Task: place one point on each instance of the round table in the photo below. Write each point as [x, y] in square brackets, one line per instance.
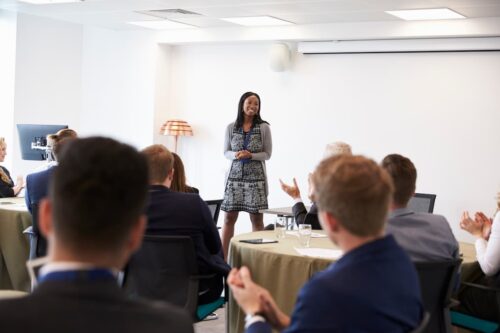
[14, 246]
[277, 267]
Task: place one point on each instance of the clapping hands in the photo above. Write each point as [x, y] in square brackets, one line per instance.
[479, 227]
[253, 299]
[291, 190]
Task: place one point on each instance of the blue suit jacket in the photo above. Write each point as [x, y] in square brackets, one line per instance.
[37, 186]
[175, 213]
[373, 288]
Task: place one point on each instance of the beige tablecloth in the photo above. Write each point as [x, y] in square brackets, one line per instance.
[280, 269]
[14, 245]
[277, 267]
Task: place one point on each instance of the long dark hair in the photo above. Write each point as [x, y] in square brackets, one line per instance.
[179, 181]
[256, 119]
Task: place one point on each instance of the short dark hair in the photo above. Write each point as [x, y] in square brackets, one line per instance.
[98, 192]
[240, 117]
[404, 177]
[355, 190]
[160, 162]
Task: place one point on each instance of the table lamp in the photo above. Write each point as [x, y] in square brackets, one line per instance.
[176, 128]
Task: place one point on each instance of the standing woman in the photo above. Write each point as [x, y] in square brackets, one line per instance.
[7, 187]
[248, 145]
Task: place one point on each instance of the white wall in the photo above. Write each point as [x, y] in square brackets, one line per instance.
[118, 95]
[48, 76]
[8, 21]
[439, 109]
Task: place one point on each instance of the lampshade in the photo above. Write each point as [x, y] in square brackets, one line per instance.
[176, 128]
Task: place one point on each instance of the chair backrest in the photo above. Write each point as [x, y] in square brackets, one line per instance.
[422, 202]
[214, 206]
[437, 280]
[36, 239]
[164, 269]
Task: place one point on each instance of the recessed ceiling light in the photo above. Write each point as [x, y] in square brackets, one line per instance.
[48, 2]
[426, 14]
[253, 21]
[161, 24]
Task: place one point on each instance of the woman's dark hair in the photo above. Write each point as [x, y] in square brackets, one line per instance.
[179, 181]
[256, 119]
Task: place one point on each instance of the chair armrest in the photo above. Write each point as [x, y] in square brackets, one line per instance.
[480, 286]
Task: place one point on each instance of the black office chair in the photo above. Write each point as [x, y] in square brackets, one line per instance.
[165, 269]
[423, 323]
[214, 206]
[38, 243]
[422, 202]
[437, 280]
[476, 324]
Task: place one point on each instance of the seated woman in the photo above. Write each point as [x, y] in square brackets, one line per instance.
[486, 270]
[179, 181]
[7, 186]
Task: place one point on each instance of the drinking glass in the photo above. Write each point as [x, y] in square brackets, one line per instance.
[305, 232]
[279, 227]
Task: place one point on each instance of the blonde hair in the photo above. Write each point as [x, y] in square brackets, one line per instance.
[337, 148]
[5, 178]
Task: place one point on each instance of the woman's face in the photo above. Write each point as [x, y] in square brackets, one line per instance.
[251, 106]
[3, 151]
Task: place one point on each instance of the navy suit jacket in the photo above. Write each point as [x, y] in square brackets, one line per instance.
[37, 186]
[302, 216]
[88, 306]
[186, 214]
[373, 288]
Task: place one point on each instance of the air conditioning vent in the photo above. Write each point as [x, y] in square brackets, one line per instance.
[169, 13]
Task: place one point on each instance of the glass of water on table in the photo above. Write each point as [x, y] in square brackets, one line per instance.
[305, 232]
[279, 227]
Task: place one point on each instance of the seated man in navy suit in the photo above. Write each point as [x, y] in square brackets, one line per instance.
[175, 213]
[372, 288]
[93, 220]
[424, 236]
[37, 186]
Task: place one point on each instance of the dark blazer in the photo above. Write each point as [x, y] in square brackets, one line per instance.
[373, 288]
[91, 306]
[37, 186]
[302, 216]
[175, 213]
[6, 190]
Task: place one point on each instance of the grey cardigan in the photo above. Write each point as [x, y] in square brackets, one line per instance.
[267, 143]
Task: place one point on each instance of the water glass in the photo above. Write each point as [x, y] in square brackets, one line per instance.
[279, 227]
[305, 232]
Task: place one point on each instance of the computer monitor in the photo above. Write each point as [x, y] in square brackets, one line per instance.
[33, 140]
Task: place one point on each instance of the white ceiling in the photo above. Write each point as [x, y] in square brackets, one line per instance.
[113, 14]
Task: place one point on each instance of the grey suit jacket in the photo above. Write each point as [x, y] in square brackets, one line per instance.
[425, 237]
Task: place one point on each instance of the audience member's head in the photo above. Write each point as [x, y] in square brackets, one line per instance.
[160, 163]
[337, 148]
[97, 197]
[404, 177]
[179, 180]
[55, 142]
[353, 191]
[66, 133]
